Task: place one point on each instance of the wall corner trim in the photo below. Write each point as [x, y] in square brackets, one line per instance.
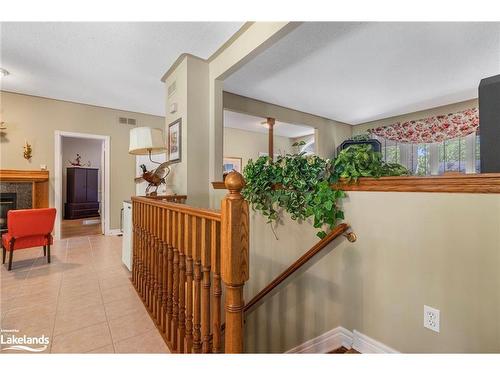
[341, 336]
[114, 232]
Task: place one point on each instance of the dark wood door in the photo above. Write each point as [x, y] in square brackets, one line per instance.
[92, 185]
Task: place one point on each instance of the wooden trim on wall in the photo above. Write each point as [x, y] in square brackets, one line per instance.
[485, 183]
[18, 175]
[39, 180]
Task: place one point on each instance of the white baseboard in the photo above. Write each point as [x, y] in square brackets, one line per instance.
[341, 336]
[113, 232]
[365, 344]
[326, 342]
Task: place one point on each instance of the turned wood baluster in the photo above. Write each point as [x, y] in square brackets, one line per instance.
[142, 270]
[205, 291]
[152, 252]
[145, 255]
[165, 270]
[157, 264]
[217, 288]
[170, 274]
[189, 229]
[134, 243]
[137, 246]
[175, 287]
[182, 284]
[234, 259]
[159, 271]
[196, 253]
[144, 247]
[148, 256]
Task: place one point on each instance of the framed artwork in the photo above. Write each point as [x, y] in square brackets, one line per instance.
[231, 164]
[174, 141]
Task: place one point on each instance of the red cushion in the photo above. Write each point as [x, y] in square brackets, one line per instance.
[26, 242]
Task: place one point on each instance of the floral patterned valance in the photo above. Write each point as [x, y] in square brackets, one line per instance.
[432, 129]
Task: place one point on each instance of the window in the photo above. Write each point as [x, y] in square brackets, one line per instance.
[308, 148]
[455, 155]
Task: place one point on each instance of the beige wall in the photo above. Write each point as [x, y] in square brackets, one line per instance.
[36, 119]
[328, 134]
[247, 145]
[438, 249]
[178, 171]
[445, 109]
[190, 176]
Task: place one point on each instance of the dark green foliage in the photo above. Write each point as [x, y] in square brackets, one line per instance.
[361, 161]
[302, 184]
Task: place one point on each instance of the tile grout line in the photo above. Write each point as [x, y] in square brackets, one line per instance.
[57, 299]
[102, 299]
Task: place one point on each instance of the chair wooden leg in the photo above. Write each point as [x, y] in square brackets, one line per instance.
[44, 251]
[11, 255]
[48, 253]
[3, 254]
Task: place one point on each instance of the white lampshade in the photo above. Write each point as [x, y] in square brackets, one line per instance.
[145, 140]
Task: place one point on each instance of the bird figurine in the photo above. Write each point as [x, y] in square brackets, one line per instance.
[156, 177]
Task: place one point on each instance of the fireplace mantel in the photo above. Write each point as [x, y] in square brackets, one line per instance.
[39, 179]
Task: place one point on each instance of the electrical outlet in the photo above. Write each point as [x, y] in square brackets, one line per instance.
[431, 318]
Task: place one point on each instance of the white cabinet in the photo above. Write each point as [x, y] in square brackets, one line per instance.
[127, 235]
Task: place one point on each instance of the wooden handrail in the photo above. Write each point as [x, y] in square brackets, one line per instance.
[182, 208]
[336, 232]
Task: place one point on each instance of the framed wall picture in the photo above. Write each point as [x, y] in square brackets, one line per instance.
[231, 163]
[174, 141]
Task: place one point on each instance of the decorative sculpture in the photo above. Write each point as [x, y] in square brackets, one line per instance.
[155, 177]
[78, 162]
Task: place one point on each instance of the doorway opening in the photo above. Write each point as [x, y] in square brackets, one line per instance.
[81, 184]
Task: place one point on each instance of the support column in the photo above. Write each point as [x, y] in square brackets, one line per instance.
[270, 126]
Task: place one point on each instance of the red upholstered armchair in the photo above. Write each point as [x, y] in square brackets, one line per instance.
[28, 228]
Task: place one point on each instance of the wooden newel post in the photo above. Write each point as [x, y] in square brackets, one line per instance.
[234, 259]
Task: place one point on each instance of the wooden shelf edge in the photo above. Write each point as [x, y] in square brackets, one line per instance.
[13, 175]
[482, 183]
[218, 185]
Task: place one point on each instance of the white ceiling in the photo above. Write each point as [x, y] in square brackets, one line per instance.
[254, 124]
[357, 72]
[117, 65]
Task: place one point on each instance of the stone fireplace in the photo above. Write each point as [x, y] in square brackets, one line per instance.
[20, 189]
[14, 195]
[8, 201]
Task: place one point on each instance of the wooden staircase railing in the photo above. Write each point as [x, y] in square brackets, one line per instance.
[181, 257]
[320, 245]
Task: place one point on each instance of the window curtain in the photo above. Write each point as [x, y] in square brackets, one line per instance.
[432, 129]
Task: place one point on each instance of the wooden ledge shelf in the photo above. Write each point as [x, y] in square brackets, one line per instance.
[38, 179]
[485, 183]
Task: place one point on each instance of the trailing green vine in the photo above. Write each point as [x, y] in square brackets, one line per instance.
[302, 184]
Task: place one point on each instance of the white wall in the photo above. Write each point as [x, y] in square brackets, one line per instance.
[90, 151]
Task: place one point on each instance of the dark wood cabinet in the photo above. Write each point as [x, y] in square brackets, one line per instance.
[81, 193]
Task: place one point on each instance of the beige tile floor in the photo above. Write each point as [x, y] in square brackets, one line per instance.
[83, 301]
